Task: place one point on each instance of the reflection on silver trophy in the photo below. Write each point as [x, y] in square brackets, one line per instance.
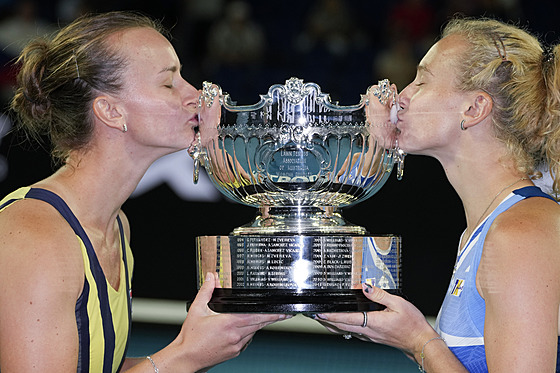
[299, 158]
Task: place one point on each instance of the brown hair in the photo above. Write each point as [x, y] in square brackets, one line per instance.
[510, 64]
[60, 76]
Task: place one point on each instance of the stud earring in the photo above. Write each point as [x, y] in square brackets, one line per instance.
[463, 125]
[124, 128]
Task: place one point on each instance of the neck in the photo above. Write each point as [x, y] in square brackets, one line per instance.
[481, 196]
[481, 170]
[502, 193]
[95, 186]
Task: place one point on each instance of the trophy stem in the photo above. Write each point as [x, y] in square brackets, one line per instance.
[297, 220]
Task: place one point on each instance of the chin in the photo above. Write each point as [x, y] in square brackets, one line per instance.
[189, 137]
[406, 146]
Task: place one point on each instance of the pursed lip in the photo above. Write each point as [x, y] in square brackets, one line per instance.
[193, 121]
[400, 114]
[399, 124]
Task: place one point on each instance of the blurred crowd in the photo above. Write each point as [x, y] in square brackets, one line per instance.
[247, 45]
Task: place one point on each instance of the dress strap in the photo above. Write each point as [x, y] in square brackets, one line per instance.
[95, 268]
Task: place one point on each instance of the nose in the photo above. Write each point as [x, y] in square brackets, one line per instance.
[190, 97]
[404, 97]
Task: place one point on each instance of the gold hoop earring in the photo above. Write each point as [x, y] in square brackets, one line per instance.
[463, 125]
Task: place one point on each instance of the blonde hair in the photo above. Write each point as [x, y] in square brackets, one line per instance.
[60, 76]
[510, 65]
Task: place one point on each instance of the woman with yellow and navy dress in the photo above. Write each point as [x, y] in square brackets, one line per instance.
[108, 93]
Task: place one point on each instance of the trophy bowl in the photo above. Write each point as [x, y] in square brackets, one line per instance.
[299, 159]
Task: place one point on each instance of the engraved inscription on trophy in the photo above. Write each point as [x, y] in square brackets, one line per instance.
[286, 262]
[293, 165]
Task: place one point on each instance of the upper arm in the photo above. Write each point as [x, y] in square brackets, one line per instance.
[519, 278]
[41, 277]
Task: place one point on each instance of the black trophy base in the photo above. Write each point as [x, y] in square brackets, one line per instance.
[226, 300]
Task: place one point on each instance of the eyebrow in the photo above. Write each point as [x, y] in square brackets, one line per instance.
[172, 69]
[424, 68]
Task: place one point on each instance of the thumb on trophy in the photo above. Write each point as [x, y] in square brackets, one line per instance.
[205, 292]
[380, 296]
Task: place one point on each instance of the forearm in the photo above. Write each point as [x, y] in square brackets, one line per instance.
[130, 362]
[175, 357]
[434, 357]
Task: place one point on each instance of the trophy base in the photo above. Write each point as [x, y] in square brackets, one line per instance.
[298, 273]
[306, 301]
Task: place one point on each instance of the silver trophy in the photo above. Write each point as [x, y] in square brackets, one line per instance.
[299, 158]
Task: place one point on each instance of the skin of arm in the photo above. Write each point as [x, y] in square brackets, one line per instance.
[519, 278]
[400, 325]
[206, 338]
[41, 277]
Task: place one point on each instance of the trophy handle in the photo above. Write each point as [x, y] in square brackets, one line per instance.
[400, 154]
[195, 153]
[209, 118]
[209, 93]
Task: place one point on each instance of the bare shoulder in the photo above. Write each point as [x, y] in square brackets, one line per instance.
[41, 278]
[519, 279]
[37, 243]
[531, 223]
[523, 240]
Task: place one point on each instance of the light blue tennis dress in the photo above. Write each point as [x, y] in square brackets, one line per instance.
[461, 318]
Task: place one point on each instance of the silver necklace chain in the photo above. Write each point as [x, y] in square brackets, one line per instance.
[492, 202]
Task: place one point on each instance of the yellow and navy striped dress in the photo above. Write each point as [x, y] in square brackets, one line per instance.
[103, 314]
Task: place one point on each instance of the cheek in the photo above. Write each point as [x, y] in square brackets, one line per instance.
[155, 112]
[429, 109]
[420, 130]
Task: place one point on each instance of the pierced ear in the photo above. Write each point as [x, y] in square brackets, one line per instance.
[479, 110]
[108, 112]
